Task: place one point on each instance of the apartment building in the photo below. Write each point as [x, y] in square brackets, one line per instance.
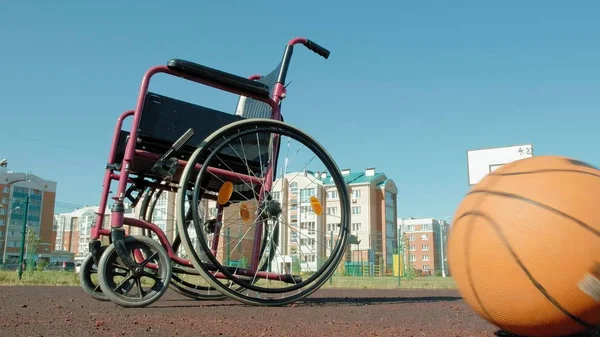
[73, 229]
[164, 213]
[424, 243]
[304, 237]
[15, 189]
[308, 237]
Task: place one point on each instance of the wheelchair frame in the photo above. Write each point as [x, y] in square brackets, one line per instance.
[131, 154]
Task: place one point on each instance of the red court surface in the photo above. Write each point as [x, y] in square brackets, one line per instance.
[68, 311]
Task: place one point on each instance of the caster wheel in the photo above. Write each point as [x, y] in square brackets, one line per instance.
[135, 289]
[88, 278]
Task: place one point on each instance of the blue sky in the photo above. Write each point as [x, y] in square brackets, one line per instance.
[408, 89]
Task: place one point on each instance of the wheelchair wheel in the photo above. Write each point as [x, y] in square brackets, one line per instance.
[88, 278]
[275, 244]
[150, 281]
[184, 280]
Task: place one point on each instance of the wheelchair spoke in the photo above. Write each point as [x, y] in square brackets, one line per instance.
[125, 281]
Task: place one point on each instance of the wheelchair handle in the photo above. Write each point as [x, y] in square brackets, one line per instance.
[287, 54]
[313, 46]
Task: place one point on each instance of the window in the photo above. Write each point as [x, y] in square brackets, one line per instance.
[294, 237]
[5, 189]
[410, 227]
[2, 211]
[411, 238]
[424, 237]
[424, 247]
[306, 213]
[332, 227]
[306, 193]
[331, 210]
[332, 195]
[425, 258]
[390, 214]
[294, 188]
[413, 258]
[356, 226]
[424, 227]
[276, 196]
[162, 200]
[412, 248]
[310, 226]
[389, 199]
[4, 200]
[356, 194]
[305, 210]
[425, 267]
[311, 230]
[355, 210]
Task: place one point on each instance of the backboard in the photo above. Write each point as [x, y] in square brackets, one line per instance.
[483, 161]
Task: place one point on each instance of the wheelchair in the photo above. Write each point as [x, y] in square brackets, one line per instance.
[251, 219]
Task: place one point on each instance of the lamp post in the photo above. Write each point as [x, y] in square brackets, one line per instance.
[399, 244]
[330, 251]
[442, 258]
[24, 230]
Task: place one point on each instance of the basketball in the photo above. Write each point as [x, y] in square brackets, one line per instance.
[524, 247]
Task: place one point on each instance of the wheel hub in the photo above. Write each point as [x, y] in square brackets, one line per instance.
[272, 208]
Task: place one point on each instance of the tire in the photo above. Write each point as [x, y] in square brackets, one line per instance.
[106, 269]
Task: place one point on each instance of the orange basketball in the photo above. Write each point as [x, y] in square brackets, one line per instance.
[524, 247]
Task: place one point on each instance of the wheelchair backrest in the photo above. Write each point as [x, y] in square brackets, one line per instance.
[251, 108]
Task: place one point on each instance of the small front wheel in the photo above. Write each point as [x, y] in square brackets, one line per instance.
[89, 280]
[149, 283]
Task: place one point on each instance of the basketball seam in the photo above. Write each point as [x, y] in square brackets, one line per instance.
[532, 279]
[470, 274]
[467, 257]
[496, 173]
[536, 203]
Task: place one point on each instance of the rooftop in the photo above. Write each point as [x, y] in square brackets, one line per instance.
[361, 177]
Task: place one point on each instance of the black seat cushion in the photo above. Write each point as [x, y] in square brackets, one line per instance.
[220, 77]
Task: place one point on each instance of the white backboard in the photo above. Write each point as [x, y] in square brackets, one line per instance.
[483, 161]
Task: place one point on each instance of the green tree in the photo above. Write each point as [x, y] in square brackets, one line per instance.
[32, 242]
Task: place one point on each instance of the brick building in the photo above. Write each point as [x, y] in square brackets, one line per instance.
[424, 245]
[15, 189]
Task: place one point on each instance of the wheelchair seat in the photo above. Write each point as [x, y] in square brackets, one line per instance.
[164, 119]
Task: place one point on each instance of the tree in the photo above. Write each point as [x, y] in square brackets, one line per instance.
[32, 241]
